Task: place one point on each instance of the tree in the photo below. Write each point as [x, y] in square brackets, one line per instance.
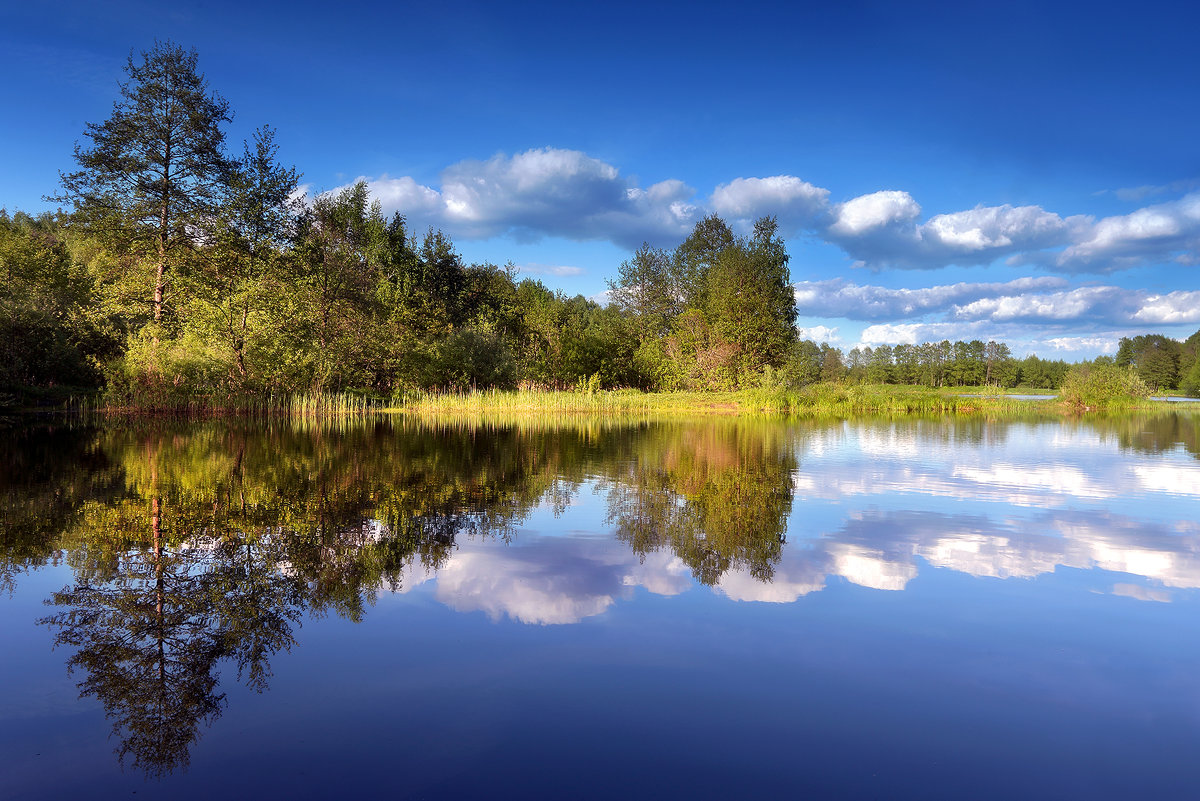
[645, 287]
[234, 282]
[340, 241]
[50, 330]
[695, 256]
[997, 356]
[879, 365]
[155, 169]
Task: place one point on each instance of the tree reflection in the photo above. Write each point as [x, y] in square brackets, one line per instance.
[164, 591]
[211, 542]
[718, 495]
[1154, 433]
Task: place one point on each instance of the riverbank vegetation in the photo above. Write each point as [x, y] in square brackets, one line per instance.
[182, 277]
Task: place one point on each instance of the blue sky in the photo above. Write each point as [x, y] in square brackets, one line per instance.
[1020, 171]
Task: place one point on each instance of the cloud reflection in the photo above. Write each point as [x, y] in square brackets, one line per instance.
[551, 580]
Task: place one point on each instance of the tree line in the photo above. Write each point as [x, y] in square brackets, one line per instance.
[178, 268]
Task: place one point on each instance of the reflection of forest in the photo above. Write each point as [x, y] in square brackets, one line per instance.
[717, 496]
[1153, 433]
[197, 545]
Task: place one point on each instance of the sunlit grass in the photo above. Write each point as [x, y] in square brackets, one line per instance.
[818, 400]
[826, 400]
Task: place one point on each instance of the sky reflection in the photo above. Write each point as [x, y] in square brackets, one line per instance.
[875, 505]
[930, 578]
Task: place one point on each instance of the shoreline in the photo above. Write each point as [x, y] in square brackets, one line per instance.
[818, 400]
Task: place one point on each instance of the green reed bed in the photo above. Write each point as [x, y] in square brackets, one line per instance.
[820, 400]
[604, 402]
[294, 405]
[817, 400]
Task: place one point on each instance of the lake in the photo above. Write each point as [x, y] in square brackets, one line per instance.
[719, 608]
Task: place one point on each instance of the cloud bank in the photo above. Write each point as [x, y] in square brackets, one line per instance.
[552, 192]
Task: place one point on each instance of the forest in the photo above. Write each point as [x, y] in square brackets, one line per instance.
[175, 269]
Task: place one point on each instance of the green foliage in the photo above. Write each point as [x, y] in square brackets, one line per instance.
[1106, 386]
[1190, 383]
[1159, 360]
[50, 331]
[155, 170]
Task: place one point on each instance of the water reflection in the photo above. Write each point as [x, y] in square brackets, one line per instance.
[196, 546]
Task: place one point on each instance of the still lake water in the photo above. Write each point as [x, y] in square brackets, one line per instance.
[710, 609]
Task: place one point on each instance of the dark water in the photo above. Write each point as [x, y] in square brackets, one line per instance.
[715, 609]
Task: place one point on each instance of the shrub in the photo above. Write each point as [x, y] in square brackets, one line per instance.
[1102, 386]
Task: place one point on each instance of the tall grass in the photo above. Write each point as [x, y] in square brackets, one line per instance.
[603, 402]
[830, 400]
[818, 400]
[294, 405]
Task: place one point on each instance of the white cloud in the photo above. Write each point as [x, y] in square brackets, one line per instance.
[903, 333]
[567, 193]
[839, 298]
[882, 230]
[820, 333]
[1070, 305]
[1164, 232]
[871, 212]
[1032, 314]
[1072, 345]
[1140, 593]
[796, 203]
[997, 227]
[552, 580]
[405, 195]
[1172, 308]
[542, 192]
[559, 270]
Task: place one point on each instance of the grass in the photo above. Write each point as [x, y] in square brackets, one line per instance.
[831, 400]
[819, 400]
[294, 405]
[603, 402]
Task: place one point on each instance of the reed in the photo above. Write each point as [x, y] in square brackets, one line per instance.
[832, 400]
[294, 405]
[820, 400]
[601, 402]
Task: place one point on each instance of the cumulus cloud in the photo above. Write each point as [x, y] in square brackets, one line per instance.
[552, 580]
[909, 333]
[1073, 304]
[554, 192]
[840, 298]
[820, 333]
[1174, 307]
[873, 212]
[797, 204]
[882, 230]
[1096, 304]
[1092, 344]
[1164, 232]
[955, 310]
[542, 192]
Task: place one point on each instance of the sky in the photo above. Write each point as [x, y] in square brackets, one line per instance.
[1026, 172]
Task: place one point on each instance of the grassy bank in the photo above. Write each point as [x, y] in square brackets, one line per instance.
[832, 400]
[296, 405]
[820, 400]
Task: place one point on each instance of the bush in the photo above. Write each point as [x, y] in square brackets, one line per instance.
[1102, 386]
[1190, 383]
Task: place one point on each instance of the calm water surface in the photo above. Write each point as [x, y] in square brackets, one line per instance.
[715, 609]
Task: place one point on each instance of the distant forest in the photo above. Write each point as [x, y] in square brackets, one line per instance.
[179, 269]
